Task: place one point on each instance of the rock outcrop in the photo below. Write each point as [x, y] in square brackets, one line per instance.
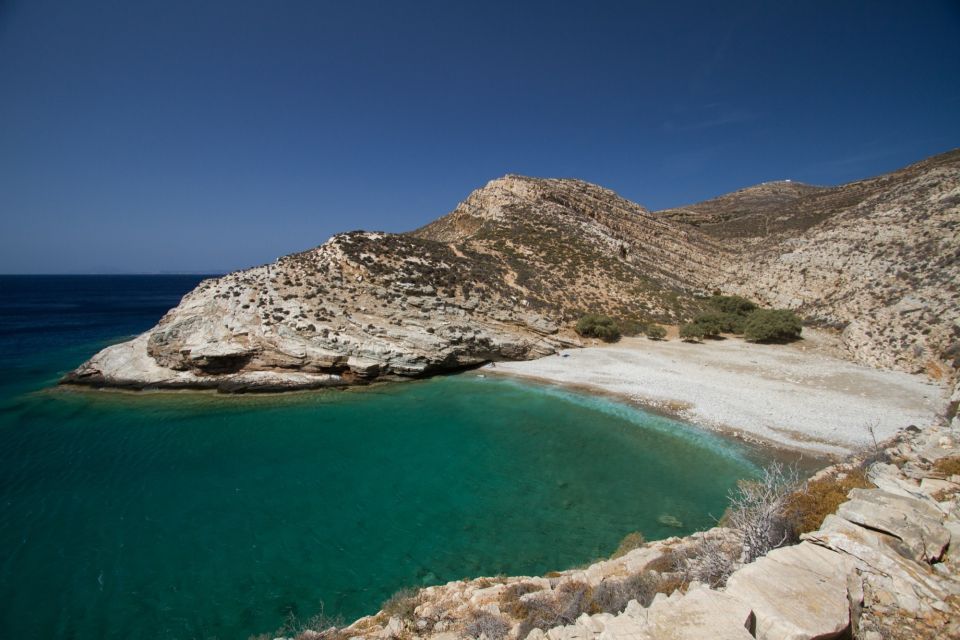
[508, 272]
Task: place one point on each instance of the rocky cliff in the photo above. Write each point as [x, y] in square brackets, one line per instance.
[506, 274]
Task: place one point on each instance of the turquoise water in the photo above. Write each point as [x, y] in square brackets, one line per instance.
[202, 516]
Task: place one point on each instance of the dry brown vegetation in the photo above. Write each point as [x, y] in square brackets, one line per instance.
[401, 604]
[630, 542]
[537, 608]
[948, 466]
[806, 509]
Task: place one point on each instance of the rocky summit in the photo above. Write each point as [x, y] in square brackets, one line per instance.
[509, 271]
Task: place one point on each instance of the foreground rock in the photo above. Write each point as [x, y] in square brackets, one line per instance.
[886, 565]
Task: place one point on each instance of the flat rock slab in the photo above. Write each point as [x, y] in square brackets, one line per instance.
[911, 584]
[918, 524]
[796, 593]
[700, 614]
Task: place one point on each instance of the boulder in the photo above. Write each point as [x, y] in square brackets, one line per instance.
[701, 614]
[878, 557]
[918, 524]
[796, 593]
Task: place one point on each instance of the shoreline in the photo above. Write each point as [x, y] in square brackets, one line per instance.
[769, 448]
[798, 398]
[766, 396]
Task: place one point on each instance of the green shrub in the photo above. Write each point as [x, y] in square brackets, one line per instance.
[598, 326]
[772, 325]
[734, 305]
[655, 332]
[632, 327]
[691, 332]
[704, 325]
[711, 322]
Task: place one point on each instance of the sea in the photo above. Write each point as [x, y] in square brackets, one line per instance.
[197, 515]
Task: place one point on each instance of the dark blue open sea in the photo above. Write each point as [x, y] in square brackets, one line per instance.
[187, 515]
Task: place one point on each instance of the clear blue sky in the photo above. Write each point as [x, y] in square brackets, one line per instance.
[140, 136]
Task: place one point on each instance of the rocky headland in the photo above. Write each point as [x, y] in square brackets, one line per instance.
[509, 271]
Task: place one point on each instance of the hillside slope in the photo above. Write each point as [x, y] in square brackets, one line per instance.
[881, 262]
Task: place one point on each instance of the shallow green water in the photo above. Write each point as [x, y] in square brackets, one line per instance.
[201, 516]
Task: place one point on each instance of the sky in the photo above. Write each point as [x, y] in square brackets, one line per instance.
[141, 137]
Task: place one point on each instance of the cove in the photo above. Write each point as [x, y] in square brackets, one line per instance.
[186, 515]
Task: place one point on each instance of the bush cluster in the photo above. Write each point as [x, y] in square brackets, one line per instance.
[948, 466]
[655, 332]
[487, 624]
[737, 315]
[772, 325]
[598, 326]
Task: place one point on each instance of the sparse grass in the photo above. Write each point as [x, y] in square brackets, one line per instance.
[486, 624]
[401, 604]
[319, 626]
[510, 601]
[630, 542]
[805, 510]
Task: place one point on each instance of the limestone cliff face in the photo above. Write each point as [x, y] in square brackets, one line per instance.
[507, 273]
